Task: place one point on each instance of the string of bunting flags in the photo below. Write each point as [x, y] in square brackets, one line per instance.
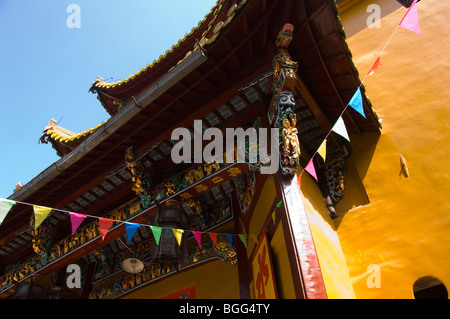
[409, 21]
[42, 212]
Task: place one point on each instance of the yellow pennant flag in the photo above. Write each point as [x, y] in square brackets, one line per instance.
[40, 214]
[273, 217]
[323, 150]
[178, 233]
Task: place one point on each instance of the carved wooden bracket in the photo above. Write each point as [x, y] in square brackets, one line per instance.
[281, 110]
[142, 182]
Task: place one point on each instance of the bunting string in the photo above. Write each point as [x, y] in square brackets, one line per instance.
[42, 212]
[409, 21]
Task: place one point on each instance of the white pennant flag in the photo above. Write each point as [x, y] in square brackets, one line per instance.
[339, 128]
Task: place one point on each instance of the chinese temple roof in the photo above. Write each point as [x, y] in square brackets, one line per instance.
[217, 73]
[62, 140]
[112, 95]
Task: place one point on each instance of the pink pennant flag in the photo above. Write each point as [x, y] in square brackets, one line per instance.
[411, 19]
[375, 66]
[105, 224]
[76, 220]
[310, 169]
[198, 237]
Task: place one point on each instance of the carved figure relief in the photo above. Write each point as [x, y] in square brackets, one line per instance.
[282, 106]
[140, 176]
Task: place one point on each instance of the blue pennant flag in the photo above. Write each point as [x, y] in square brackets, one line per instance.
[357, 103]
[131, 228]
[230, 239]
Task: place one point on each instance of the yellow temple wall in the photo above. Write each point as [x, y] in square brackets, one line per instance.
[326, 241]
[327, 244]
[402, 234]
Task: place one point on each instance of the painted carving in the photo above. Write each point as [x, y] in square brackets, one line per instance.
[281, 110]
[335, 181]
[245, 189]
[139, 173]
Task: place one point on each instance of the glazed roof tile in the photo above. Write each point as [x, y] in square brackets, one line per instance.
[204, 41]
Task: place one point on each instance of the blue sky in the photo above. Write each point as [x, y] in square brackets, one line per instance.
[47, 68]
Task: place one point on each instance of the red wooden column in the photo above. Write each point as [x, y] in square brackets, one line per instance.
[303, 259]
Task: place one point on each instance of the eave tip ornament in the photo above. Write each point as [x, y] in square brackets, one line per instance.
[285, 36]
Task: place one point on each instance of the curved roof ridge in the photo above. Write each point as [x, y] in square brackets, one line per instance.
[58, 133]
[99, 83]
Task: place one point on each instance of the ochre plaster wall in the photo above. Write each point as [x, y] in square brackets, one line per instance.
[328, 247]
[404, 229]
[326, 241]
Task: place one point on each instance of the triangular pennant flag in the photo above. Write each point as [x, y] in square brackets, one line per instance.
[273, 217]
[178, 233]
[198, 237]
[411, 19]
[375, 66]
[340, 128]
[213, 238]
[280, 203]
[40, 213]
[76, 220]
[5, 207]
[130, 229]
[311, 170]
[323, 150]
[105, 224]
[243, 238]
[230, 239]
[156, 230]
[299, 180]
[357, 103]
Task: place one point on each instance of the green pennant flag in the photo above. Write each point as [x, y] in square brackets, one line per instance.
[40, 214]
[156, 230]
[5, 207]
[280, 203]
[243, 238]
